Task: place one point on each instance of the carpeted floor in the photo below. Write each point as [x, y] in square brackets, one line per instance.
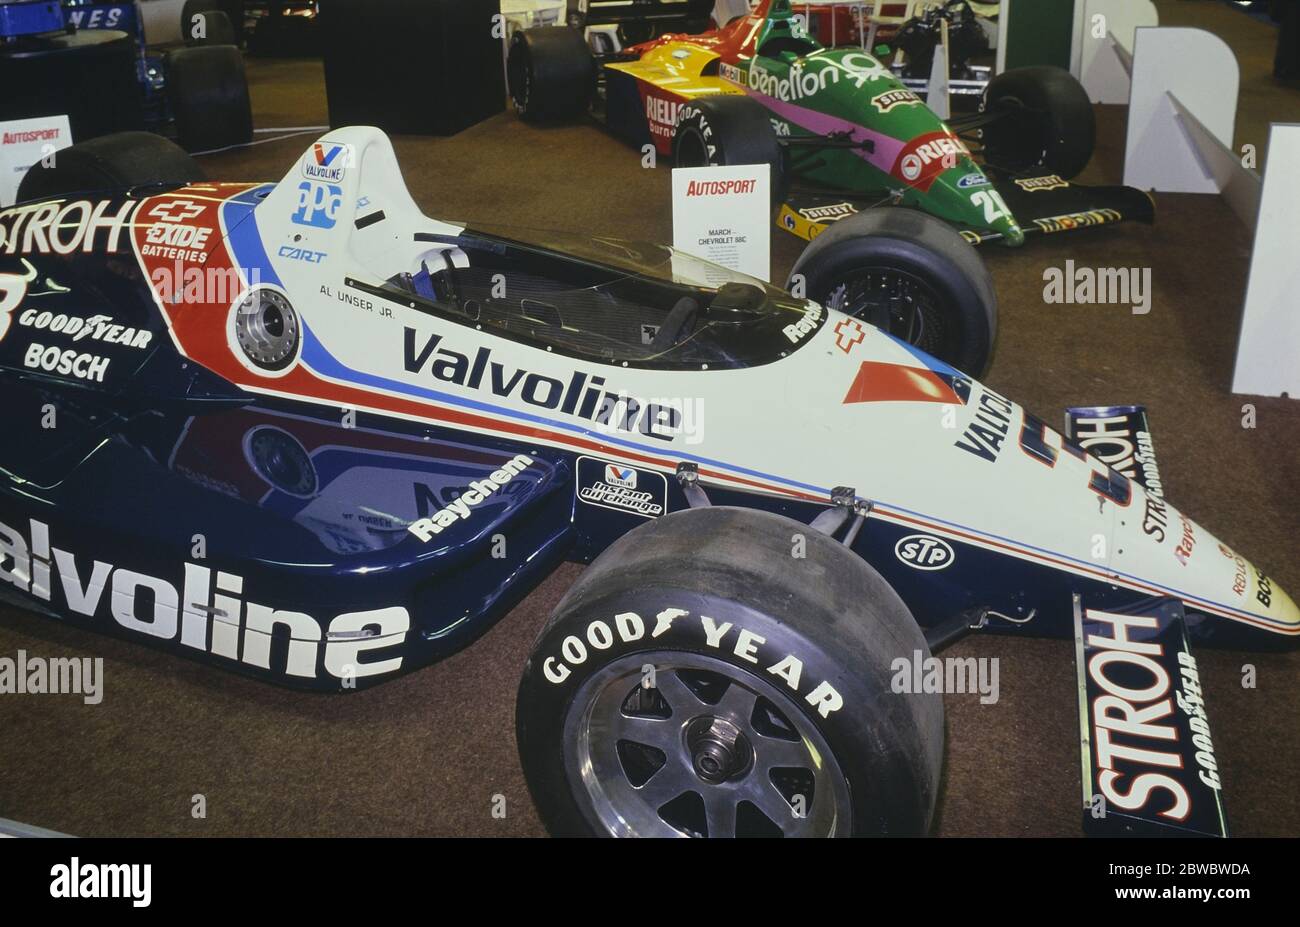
[428, 753]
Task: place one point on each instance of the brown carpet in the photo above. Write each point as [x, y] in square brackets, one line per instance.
[427, 753]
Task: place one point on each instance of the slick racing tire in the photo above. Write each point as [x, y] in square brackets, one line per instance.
[208, 93]
[551, 73]
[700, 680]
[1048, 125]
[727, 129]
[909, 274]
[108, 163]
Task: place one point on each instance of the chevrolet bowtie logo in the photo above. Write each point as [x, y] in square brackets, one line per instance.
[849, 332]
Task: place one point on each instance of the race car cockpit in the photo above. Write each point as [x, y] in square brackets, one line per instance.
[626, 303]
[601, 299]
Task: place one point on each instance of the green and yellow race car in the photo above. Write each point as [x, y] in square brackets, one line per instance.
[847, 142]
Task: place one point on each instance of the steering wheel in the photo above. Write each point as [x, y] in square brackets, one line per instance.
[677, 323]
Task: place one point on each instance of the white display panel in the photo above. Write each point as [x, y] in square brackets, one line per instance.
[1268, 352]
[723, 214]
[23, 142]
[1200, 70]
[1104, 45]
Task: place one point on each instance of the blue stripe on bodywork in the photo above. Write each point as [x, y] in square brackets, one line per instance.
[931, 363]
[245, 240]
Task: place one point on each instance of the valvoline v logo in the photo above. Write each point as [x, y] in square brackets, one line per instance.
[620, 476]
[325, 162]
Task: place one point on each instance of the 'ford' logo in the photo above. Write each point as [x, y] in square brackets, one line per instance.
[924, 552]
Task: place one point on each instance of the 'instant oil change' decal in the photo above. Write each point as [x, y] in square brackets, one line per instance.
[622, 488]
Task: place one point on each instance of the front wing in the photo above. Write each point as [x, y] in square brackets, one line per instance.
[1043, 205]
[1149, 767]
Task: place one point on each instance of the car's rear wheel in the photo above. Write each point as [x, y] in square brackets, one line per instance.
[728, 129]
[908, 274]
[1046, 122]
[110, 163]
[551, 73]
[701, 679]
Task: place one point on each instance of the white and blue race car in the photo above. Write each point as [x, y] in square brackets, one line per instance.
[304, 432]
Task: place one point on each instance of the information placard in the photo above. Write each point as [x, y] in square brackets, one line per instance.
[724, 215]
[23, 142]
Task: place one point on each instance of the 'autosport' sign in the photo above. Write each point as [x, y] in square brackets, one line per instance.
[721, 214]
[23, 142]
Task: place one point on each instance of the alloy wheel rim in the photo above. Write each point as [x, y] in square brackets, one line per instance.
[708, 750]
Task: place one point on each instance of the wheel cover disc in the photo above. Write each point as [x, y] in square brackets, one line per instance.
[897, 302]
[709, 750]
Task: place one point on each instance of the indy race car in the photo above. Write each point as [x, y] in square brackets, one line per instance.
[302, 431]
[760, 91]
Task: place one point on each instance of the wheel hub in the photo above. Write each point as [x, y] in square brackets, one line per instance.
[896, 302]
[266, 327]
[716, 752]
[719, 750]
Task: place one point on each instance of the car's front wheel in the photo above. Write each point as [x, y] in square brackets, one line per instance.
[728, 129]
[726, 672]
[909, 274]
